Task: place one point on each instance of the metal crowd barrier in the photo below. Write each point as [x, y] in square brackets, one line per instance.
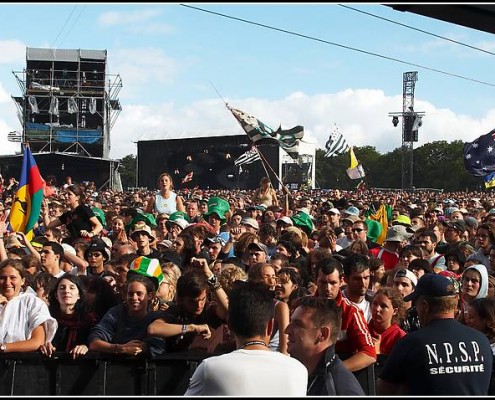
[97, 374]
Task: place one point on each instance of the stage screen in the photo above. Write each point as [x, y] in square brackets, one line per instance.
[211, 159]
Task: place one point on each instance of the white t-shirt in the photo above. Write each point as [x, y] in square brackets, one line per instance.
[364, 305]
[249, 373]
[19, 317]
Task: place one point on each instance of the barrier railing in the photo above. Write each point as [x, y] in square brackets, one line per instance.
[97, 374]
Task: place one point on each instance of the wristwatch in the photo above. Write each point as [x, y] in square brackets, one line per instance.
[3, 348]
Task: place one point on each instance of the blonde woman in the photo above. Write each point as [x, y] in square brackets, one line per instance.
[165, 200]
[265, 194]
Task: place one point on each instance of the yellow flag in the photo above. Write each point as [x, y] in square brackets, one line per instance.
[381, 217]
[354, 161]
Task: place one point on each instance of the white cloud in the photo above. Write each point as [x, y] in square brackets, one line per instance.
[152, 29]
[143, 66]
[12, 52]
[4, 96]
[112, 18]
[136, 22]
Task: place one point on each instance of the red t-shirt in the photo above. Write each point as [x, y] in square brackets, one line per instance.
[390, 260]
[388, 338]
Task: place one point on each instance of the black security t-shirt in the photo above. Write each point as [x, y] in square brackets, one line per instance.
[443, 358]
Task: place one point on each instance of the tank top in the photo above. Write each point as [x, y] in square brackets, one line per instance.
[265, 197]
[166, 206]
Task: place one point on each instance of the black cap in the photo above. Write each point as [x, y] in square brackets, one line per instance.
[434, 285]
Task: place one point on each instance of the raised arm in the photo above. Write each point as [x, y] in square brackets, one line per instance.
[180, 204]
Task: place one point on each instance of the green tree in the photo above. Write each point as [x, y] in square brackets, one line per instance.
[127, 171]
[438, 165]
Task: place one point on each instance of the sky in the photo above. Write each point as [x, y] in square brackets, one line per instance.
[314, 64]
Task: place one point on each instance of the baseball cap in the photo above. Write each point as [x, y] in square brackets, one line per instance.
[250, 222]
[352, 211]
[334, 210]
[165, 243]
[402, 220]
[285, 220]
[222, 238]
[471, 222]
[434, 285]
[351, 218]
[405, 273]
[458, 225]
[258, 246]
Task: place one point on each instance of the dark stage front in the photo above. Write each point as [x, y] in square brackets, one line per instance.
[211, 159]
[80, 168]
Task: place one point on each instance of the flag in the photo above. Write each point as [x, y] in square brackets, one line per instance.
[479, 155]
[355, 170]
[28, 198]
[490, 180]
[382, 217]
[254, 128]
[248, 157]
[336, 143]
[289, 140]
[188, 177]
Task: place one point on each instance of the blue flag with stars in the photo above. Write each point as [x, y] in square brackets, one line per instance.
[479, 155]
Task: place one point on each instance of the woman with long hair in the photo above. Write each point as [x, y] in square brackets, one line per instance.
[265, 194]
[118, 233]
[68, 307]
[387, 310]
[165, 200]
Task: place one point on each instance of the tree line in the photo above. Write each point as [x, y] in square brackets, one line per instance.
[437, 165]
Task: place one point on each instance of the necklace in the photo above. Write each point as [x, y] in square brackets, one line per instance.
[252, 343]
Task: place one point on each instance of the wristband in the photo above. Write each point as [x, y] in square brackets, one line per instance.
[184, 331]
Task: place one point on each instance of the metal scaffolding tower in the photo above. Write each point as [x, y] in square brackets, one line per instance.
[411, 121]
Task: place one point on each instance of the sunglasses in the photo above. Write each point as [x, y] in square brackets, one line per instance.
[357, 230]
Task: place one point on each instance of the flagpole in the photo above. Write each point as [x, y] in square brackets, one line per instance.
[263, 161]
[219, 95]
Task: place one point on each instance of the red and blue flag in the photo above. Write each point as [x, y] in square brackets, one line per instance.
[26, 205]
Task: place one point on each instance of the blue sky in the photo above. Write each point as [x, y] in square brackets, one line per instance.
[172, 57]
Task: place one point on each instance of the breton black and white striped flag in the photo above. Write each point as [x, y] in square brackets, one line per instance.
[248, 157]
[336, 143]
[289, 140]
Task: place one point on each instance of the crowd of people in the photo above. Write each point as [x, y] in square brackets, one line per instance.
[288, 292]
